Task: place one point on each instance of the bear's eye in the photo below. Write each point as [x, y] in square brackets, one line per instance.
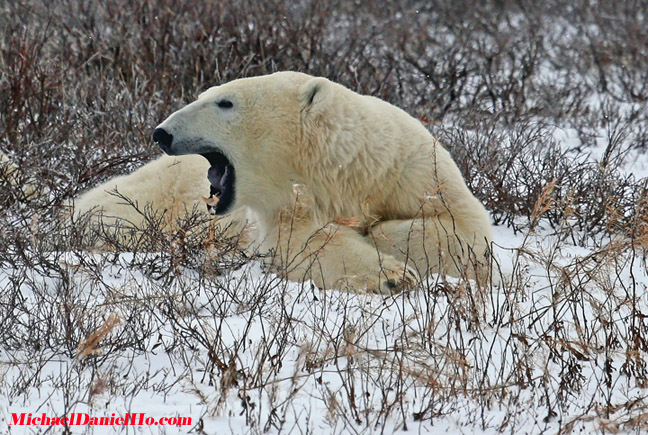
[225, 104]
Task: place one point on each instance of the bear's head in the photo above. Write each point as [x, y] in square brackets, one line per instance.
[250, 131]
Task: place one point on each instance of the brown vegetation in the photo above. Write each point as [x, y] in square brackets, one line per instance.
[82, 84]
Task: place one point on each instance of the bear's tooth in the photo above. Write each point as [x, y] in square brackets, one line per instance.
[212, 200]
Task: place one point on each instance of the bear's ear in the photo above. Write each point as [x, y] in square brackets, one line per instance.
[316, 95]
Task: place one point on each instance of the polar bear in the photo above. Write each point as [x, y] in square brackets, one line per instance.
[344, 189]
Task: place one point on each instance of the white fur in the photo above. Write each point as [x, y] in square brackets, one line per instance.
[374, 189]
[9, 176]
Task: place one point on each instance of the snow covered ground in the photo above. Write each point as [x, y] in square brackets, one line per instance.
[550, 355]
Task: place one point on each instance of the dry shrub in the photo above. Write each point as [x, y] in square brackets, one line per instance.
[82, 84]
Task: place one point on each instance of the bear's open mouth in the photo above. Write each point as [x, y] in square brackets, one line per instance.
[221, 177]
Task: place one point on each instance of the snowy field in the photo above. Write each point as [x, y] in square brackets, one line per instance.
[545, 358]
[542, 106]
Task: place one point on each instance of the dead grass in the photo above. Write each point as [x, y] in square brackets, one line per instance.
[82, 84]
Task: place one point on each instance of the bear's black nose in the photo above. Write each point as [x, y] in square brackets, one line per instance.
[163, 139]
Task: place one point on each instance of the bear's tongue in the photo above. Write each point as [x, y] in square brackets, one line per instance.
[217, 177]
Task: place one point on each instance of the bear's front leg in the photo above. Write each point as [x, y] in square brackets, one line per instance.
[438, 244]
[337, 257]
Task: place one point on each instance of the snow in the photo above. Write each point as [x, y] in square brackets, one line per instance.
[305, 347]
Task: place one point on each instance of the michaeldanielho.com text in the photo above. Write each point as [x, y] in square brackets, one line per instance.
[83, 419]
